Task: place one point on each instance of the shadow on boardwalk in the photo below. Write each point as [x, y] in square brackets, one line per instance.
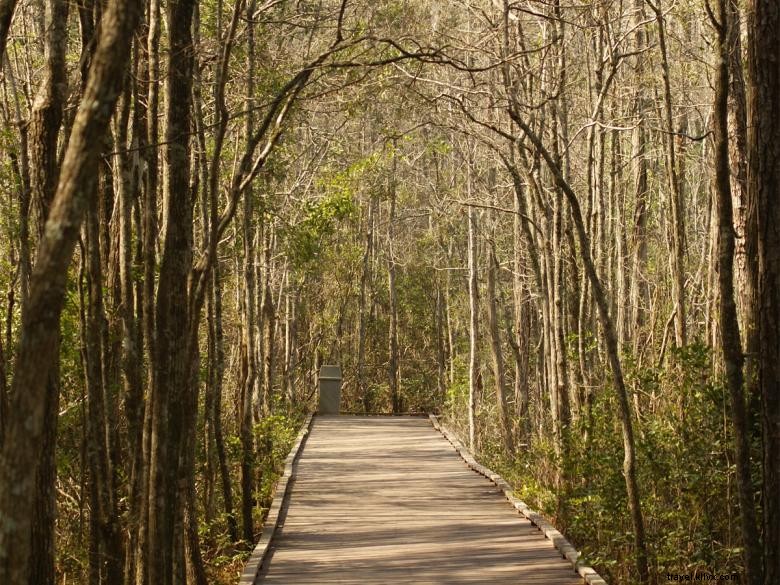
[387, 500]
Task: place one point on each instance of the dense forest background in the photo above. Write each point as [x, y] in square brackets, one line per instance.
[555, 222]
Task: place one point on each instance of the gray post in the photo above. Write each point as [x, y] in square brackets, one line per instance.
[330, 389]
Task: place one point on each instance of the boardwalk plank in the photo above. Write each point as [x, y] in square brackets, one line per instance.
[381, 500]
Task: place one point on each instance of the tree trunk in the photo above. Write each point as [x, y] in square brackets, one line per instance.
[764, 191]
[149, 237]
[745, 218]
[499, 372]
[676, 205]
[45, 122]
[473, 325]
[7, 8]
[250, 374]
[365, 279]
[269, 328]
[519, 337]
[219, 371]
[729, 327]
[40, 327]
[392, 372]
[638, 290]
[105, 534]
[172, 354]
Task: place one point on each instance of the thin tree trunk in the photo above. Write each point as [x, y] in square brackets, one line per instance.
[473, 325]
[219, 441]
[268, 326]
[441, 349]
[249, 324]
[365, 278]
[149, 236]
[249, 377]
[676, 206]
[21, 167]
[638, 290]
[610, 339]
[520, 345]
[105, 533]
[499, 372]
[393, 293]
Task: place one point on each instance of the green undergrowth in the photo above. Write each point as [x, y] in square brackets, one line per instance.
[274, 437]
[685, 474]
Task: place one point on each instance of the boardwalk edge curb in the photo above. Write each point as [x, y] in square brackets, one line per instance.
[255, 561]
[564, 547]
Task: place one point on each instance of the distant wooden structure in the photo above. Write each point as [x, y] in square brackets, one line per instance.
[381, 500]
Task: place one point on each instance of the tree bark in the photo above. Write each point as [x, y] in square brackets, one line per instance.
[45, 123]
[473, 325]
[7, 8]
[219, 441]
[250, 374]
[392, 368]
[764, 190]
[638, 290]
[149, 258]
[729, 325]
[676, 206]
[40, 327]
[172, 352]
[107, 563]
[499, 371]
[365, 279]
[745, 213]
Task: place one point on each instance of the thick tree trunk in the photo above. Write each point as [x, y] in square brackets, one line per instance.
[764, 191]
[45, 122]
[40, 327]
[172, 354]
[745, 214]
[729, 327]
[7, 8]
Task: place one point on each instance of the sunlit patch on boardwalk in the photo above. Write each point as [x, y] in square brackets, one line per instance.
[381, 500]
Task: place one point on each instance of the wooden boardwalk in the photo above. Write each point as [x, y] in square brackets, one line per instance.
[385, 500]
